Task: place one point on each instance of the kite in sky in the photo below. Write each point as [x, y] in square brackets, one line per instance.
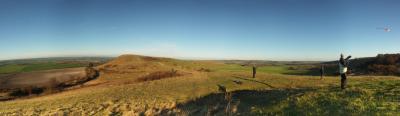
[386, 29]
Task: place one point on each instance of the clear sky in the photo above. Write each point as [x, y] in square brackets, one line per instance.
[199, 29]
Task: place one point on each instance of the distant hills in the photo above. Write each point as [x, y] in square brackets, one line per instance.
[55, 59]
[382, 64]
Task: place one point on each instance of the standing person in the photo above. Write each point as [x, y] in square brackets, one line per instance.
[343, 64]
[254, 71]
[322, 71]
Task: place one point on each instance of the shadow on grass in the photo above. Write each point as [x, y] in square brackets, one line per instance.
[247, 79]
[244, 102]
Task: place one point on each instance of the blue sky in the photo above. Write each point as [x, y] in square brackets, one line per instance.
[199, 29]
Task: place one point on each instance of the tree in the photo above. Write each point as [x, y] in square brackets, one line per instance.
[91, 72]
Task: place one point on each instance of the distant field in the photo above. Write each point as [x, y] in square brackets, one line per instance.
[17, 68]
[40, 78]
[38, 64]
[275, 69]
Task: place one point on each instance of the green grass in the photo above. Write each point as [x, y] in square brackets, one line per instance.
[355, 100]
[273, 92]
[271, 69]
[17, 68]
[286, 69]
[11, 68]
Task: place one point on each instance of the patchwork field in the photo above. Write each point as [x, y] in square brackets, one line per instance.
[179, 87]
[39, 78]
[39, 64]
[17, 68]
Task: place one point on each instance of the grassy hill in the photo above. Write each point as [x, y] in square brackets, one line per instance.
[179, 87]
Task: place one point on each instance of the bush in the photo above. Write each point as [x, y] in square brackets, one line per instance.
[204, 70]
[383, 69]
[159, 75]
[19, 92]
[26, 91]
[385, 64]
[52, 86]
[387, 59]
[91, 73]
[382, 64]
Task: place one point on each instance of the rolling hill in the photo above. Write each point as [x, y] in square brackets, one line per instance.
[140, 85]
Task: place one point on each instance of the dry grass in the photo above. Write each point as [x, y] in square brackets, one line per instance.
[117, 93]
[159, 75]
[156, 96]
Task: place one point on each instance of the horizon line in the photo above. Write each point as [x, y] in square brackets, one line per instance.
[179, 58]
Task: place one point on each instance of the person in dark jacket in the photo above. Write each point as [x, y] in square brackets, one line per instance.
[322, 71]
[343, 64]
[254, 71]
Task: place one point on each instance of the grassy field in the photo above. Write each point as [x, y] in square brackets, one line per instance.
[196, 93]
[38, 64]
[274, 69]
[17, 68]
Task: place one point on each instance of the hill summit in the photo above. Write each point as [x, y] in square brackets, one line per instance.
[136, 63]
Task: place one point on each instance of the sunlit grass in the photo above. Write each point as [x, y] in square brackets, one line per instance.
[274, 93]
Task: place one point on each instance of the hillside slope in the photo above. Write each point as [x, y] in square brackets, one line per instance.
[134, 63]
[194, 91]
[135, 68]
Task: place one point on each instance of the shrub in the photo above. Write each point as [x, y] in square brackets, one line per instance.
[159, 75]
[204, 70]
[52, 86]
[91, 73]
[387, 59]
[292, 68]
[26, 91]
[19, 92]
[382, 64]
[383, 69]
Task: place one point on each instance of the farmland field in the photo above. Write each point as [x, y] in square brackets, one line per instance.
[17, 68]
[38, 64]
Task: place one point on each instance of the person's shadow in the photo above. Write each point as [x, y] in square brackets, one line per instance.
[248, 79]
[243, 102]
